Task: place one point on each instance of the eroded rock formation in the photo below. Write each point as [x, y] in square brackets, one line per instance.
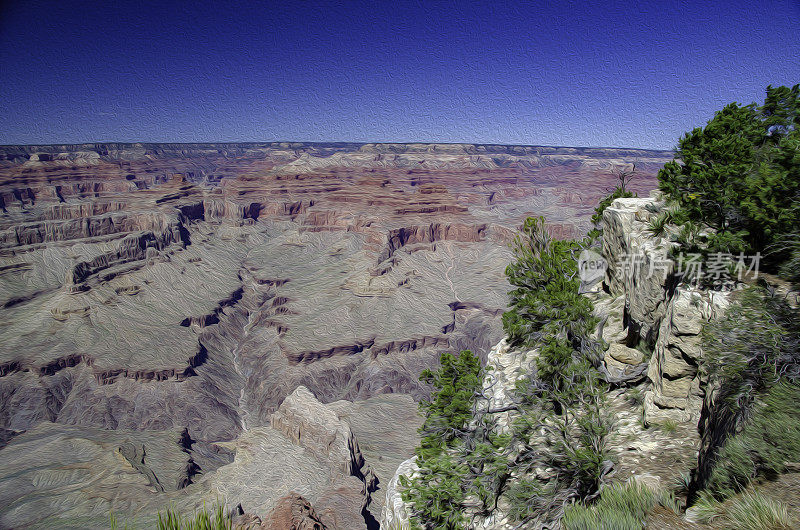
[169, 288]
[659, 316]
[650, 326]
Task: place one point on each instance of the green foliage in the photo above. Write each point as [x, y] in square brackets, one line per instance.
[620, 507]
[790, 269]
[658, 225]
[668, 426]
[436, 493]
[768, 441]
[707, 508]
[682, 483]
[754, 511]
[753, 356]
[635, 396]
[789, 245]
[526, 492]
[202, 520]
[749, 349]
[114, 524]
[624, 177]
[740, 176]
[438, 490]
[748, 511]
[172, 519]
[449, 410]
[545, 301]
[561, 422]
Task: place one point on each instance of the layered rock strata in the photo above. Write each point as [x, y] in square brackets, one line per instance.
[650, 326]
[170, 288]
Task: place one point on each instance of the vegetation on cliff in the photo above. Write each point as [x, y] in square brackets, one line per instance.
[619, 507]
[620, 191]
[439, 489]
[734, 188]
[753, 360]
[172, 519]
[465, 463]
[561, 423]
[735, 183]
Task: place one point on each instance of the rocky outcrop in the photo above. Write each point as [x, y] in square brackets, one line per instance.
[678, 386]
[308, 451]
[432, 233]
[395, 514]
[651, 327]
[638, 266]
[659, 315]
[293, 512]
[316, 428]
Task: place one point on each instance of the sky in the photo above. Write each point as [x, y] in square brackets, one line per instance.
[615, 74]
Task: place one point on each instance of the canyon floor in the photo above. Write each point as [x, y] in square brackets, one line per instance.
[246, 323]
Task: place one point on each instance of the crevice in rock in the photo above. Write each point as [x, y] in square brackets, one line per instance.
[65, 362]
[107, 377]
[185, 442]
[398, 238]
[309, 356]
[10, 368]
[407, 345]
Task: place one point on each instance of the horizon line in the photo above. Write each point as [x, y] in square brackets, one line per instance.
[332, 143]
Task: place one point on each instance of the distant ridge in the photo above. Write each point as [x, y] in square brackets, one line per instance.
[323, 148]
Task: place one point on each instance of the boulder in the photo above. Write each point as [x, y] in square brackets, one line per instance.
[625, 355]
[293, 512]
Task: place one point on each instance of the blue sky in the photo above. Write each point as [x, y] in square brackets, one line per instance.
[628, 74]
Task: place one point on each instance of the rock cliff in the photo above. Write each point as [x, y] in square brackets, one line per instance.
[658, 314]
[650, 325]
[191, 289]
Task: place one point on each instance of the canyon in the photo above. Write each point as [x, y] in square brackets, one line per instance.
[246, 323]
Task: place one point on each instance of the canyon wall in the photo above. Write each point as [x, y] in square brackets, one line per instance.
[184, 291]
[650, 326]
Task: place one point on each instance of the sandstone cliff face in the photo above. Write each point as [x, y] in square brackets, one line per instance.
[658, 314]
[651, 326]
[678, 388]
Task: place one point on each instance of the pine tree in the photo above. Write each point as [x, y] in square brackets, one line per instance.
[740, 176]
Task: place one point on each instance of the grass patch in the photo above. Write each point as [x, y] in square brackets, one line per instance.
[767, 442]
[754, 511]
[171, 519]
[635, 396]
[748, 511]
[620, 507]
[682, 483]
[707, 508]
[668, 426]
[658, 225]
